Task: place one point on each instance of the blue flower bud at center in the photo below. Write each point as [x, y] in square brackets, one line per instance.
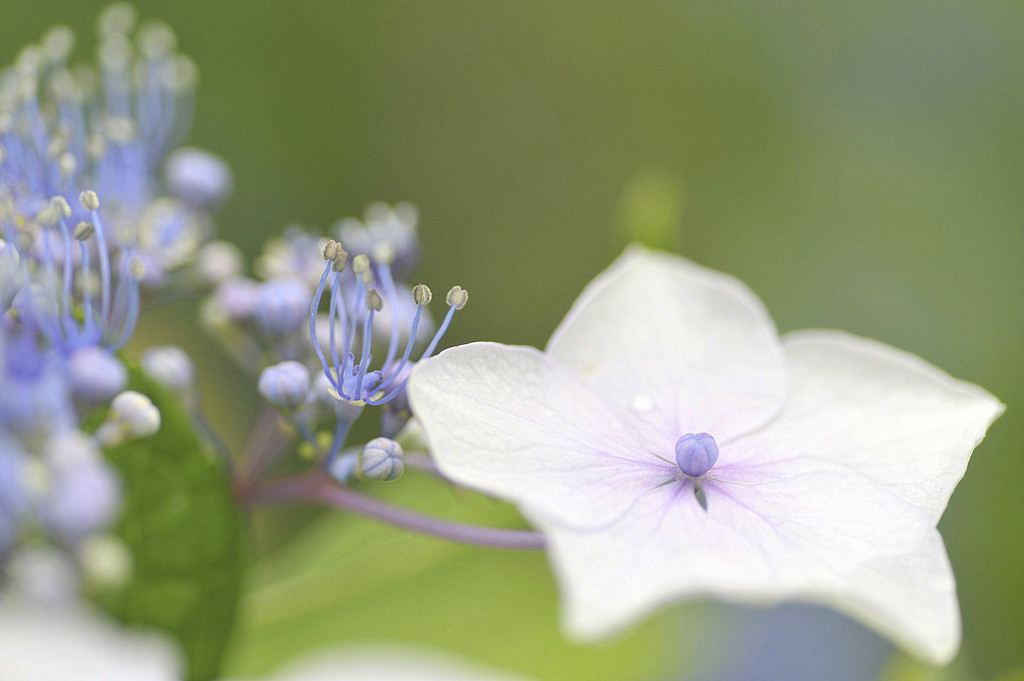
[696, 454]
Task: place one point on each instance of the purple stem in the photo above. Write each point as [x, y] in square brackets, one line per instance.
[321, 489]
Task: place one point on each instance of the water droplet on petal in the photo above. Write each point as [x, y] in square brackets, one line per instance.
[641, 403]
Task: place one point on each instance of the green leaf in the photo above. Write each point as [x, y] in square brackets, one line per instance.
[347, 579]
[184, 532]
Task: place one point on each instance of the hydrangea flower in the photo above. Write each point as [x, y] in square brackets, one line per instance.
[669, 444]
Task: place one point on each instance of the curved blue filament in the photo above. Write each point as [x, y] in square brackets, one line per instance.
[408, 351]
[337, 311]
[365, 358]
[314, 307]
[104, 256]
[426, 353]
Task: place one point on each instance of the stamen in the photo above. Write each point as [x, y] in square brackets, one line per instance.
[421, 295]
[457, 297]
[373, 304]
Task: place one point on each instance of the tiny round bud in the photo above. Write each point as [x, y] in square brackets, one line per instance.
[132, 416]
[95, 375]
[219, 261]
[198, 177]
[82, 500]
[171, 367]
[381, 460]
[696, 454]
[457, 297]
[236, 298]
[89, 200]
[285, 385]
[281, 306]
[84, 230]
[105, 561]
[421, 294]
[374, 301]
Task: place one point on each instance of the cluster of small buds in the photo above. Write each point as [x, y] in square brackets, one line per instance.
[333, 305]
[87, 227]
[106, 130]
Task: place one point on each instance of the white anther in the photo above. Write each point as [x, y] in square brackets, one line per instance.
[183, 76]
[457, 297]
[96, 147]
[383, 253]
[332, 249]
[374, 301]
[120, 130]
[89, 200]
[67, 164]
[60, 206]
[57, 43]
[421, 294]
[115, 53]
[118, 18]
[360, 263]
[83, 230]
[136, 269]
[156, 39]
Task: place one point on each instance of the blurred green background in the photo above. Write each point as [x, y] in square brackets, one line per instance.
[860, 165]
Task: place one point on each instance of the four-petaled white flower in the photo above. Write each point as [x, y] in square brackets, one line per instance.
[669, 444]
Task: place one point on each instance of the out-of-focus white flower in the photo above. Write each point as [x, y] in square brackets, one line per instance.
[668, 444]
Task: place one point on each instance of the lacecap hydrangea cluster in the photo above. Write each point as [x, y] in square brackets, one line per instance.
[332, 327]
[101, 212]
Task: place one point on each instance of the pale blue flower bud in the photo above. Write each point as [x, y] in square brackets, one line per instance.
[381, 460]
[219, 261]
[95, 375]
[285, 385]
[282, 307]
[171, 367]
[82, 501]
[696, 454]
[236, 298]
[198, 177]
[343, 467]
